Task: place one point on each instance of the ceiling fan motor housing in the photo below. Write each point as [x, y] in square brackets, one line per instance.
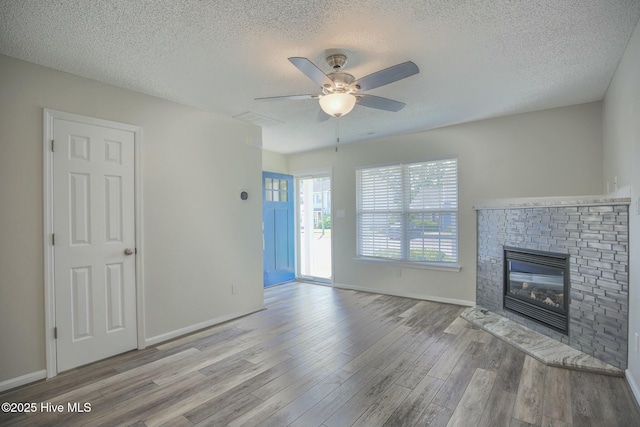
[337, 61]
[341, 82]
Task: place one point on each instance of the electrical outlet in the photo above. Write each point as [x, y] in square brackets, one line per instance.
[398, 272]
[234, 289]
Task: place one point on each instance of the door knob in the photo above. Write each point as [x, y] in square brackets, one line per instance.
[128, 251]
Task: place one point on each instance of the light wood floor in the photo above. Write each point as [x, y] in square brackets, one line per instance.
[326, 357]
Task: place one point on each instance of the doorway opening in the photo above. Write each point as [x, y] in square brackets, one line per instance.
[315, 228]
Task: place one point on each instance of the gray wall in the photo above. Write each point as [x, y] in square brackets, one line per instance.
[554, 152]
[200, 238]
[621, 124]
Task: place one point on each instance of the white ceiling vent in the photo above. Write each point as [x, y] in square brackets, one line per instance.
[258, 119]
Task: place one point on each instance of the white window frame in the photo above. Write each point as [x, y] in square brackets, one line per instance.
[405, 210]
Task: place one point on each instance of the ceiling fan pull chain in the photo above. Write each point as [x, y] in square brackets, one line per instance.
[337, 132]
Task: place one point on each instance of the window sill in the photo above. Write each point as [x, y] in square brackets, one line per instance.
[417, 265]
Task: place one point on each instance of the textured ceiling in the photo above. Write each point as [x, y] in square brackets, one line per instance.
[477, 58]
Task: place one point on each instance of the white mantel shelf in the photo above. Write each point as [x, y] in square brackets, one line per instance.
[562, 201]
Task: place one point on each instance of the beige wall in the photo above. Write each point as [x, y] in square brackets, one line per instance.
[548, 153]
[621, 124]
[200, 238]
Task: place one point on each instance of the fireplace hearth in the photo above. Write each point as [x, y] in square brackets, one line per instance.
[536, 285]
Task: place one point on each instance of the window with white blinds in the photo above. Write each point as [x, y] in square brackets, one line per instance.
[409, 212]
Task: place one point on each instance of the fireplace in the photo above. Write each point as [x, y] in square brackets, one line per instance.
[536, 285]
[594, 233]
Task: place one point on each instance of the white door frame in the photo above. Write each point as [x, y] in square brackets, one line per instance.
[312, 174]
[49, 294]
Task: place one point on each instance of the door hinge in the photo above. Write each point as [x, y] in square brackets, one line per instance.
[53, 239]
[135, 250]
[55, 332]
[53, 146]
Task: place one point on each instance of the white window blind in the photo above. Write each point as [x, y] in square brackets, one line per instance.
[409, 212]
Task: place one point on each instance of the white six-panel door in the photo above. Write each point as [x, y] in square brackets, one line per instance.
[93, 224]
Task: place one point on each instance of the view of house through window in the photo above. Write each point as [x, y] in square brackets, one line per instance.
[314, 213]
[409, 212]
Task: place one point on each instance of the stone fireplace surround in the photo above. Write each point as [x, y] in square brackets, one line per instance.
[594, 232]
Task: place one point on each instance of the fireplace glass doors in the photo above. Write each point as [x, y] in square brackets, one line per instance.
[536, 286]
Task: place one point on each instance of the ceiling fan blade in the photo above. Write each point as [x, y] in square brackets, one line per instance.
[379, 102]
[388, 75]
[288, 98]
[322, 116]
[310, 70]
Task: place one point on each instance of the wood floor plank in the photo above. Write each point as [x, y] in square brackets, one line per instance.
[517, 423]
[425, 361]
[145, 404]
[308, 367]
[376, 349]
[178, 421]
[449, 358]
[219, 411]
[142, 373]
[530, 396]
[494, 355]
[457, 382]
[510, 370]
[208, 357]
[337, 398]
[557, 395]
[282, 398]
[421, 340]
[609, 405]
[552, 422]
[474, 399]
[370, 336]
[585, 404]
[194, 400]
[499, 409]
[380, 410]
[392, 352]
[437, 320]
[416, 308]
[360, 402]
[296, 408]
[411, 409]
[456, 326]
[435, 416]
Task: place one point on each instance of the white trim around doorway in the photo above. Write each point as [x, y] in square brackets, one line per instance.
[302, 175]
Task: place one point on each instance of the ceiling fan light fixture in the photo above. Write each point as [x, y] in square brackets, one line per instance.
[337, 104]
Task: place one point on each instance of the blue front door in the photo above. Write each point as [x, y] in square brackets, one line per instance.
[277, 216]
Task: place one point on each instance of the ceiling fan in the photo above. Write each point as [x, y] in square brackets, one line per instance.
[341, 91]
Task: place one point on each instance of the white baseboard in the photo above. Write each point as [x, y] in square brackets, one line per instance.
[22, 380]
[406, 295]
[633, 386]
[192, 328]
